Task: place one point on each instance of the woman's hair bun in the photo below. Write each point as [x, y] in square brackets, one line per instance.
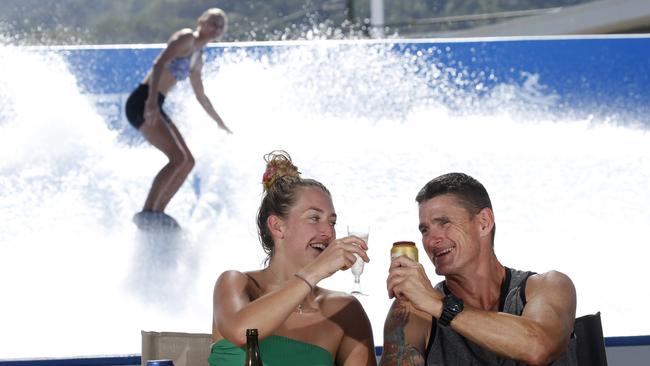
[278, 166]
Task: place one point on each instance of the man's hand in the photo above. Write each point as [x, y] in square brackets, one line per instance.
[407, 281]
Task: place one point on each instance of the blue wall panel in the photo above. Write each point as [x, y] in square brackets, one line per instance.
[585, 73]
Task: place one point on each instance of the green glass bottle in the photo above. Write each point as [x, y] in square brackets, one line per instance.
[253, 357]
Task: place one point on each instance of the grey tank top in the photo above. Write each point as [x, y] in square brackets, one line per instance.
[447, 348]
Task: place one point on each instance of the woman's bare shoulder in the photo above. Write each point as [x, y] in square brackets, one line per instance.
[182, 36]
[231, 276]
[349, 316]
[337, 301]
[334, 295]
[238, 278]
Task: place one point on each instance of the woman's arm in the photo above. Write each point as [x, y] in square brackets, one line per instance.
[234, 312]
[197, 85]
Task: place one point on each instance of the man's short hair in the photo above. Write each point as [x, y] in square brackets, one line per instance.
[470, 192]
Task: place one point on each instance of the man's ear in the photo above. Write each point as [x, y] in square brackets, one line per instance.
[486, 221]
[276, 226]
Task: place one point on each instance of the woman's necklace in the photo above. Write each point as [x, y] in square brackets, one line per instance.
[300, 308]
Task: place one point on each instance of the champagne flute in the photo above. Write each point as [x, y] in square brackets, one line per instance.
[362, 232]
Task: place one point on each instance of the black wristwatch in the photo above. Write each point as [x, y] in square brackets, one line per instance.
[451, 306]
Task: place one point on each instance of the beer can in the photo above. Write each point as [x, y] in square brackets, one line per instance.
[406, 248]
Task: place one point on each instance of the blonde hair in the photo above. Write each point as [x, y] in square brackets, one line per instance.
[278, 166]
[213, 12]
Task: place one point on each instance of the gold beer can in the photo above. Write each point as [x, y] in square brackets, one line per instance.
[406, 248]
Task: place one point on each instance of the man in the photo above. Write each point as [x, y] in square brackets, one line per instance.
[483, 313]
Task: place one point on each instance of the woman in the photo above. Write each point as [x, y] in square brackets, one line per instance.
[181, 58]
[299, 323]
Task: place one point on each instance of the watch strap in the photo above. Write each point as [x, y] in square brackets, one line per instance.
[451, 306]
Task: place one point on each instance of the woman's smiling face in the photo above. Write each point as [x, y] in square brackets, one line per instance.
[310, 223]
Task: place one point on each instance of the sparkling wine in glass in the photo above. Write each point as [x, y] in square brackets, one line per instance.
[362, 232]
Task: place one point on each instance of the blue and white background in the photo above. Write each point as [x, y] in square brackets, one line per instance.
[555, 128]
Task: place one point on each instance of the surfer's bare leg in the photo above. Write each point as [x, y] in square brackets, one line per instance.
[166, 138]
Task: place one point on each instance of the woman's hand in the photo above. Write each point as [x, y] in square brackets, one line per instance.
[225, 128]
[339, 255]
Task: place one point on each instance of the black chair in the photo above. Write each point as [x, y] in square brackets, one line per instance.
[590, 343]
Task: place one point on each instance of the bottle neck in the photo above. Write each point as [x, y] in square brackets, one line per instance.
[253, 357]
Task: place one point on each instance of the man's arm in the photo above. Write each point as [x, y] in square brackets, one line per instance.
[540, 335]
[406, 333]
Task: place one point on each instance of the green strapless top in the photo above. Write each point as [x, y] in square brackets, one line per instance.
[275, 351]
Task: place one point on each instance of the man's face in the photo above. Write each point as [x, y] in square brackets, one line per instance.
[450, 234]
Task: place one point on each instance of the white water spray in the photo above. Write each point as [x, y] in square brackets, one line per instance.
[369, 123]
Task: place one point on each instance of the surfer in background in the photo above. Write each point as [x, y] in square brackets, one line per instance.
[182, 58]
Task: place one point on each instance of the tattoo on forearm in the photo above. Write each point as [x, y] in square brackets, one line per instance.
[396, 351]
